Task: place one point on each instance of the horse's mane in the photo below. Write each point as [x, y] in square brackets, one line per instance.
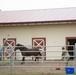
[19, 44]
[22, 47]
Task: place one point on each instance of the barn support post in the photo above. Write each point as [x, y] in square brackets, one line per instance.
[75, 57]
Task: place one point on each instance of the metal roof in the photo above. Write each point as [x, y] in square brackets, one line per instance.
[40, 15]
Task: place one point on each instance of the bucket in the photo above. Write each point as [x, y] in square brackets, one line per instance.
[69, 70]
[57, 68]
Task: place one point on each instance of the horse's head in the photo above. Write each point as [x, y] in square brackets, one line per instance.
[18, 46]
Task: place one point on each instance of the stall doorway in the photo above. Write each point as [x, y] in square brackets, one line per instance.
[41, 44]
[70, 41]
[9, 42]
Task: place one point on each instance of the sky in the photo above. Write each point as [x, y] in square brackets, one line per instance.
[9, 5]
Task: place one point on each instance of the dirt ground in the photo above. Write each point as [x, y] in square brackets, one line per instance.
[49, 67]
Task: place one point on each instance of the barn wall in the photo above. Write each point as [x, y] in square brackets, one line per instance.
[54, 34]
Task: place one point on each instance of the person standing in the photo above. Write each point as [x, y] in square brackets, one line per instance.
[65, 55]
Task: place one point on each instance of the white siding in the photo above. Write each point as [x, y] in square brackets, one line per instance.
[54, 34]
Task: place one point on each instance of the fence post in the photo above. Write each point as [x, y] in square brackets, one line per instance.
[0, 53]
[11, 60]
[42, 57]
[75, 57]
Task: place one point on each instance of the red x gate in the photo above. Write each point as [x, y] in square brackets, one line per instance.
[40, 43]
[9, 42]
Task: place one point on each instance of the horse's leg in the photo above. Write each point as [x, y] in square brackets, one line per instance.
[35, 59]
[67, 61]
[23, 59]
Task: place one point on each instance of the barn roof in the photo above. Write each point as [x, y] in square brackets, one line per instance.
[40, 15]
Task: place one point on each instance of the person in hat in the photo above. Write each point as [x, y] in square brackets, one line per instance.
[65, 55]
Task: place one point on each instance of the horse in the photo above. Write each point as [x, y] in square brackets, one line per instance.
[28, 52]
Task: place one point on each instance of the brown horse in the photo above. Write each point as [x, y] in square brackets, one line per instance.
[28, 52]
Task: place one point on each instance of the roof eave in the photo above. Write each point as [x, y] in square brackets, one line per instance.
[37, 23]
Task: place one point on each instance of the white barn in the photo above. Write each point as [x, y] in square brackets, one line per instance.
[44, 27]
